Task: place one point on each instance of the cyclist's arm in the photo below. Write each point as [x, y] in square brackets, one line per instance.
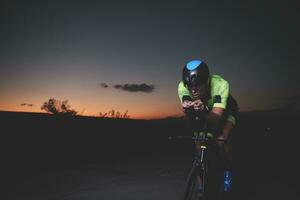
[214, 120]
[218, 111]
[183, 93]
[215, 116]
[185, 97]
[221, 93]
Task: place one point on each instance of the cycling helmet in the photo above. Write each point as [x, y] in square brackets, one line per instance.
[195, 73]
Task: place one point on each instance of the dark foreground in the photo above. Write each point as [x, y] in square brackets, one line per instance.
[46, 157]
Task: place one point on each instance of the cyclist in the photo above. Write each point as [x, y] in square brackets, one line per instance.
[199, 91]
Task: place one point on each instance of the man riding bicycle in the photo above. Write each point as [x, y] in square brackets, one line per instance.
[201, 92]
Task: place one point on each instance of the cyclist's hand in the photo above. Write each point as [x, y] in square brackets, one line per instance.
[198, 105]
[187, 104]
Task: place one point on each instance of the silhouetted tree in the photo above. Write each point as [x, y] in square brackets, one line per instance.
[114, 114]
[58, 107]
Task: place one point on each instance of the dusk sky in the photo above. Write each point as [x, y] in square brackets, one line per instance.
[74, 49]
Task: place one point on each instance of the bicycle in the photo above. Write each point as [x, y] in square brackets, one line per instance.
[207, 168]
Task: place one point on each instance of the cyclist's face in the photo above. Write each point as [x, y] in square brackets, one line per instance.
[198, 91]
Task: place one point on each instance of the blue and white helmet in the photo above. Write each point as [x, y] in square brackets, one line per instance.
[195, 73]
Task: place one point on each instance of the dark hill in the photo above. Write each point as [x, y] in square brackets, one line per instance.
[265, 144]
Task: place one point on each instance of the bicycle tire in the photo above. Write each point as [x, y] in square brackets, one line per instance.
[191, 189]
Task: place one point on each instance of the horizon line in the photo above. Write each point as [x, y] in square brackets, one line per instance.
[149, 118]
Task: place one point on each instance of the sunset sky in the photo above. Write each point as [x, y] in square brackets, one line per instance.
[74, 49]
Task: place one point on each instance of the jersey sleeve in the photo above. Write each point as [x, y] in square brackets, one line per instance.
[182, 91]
[221, 95]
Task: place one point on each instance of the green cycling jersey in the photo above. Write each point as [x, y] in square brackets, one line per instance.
[219, 96]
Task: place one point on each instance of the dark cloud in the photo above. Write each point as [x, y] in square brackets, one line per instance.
[27, 104]
[118, 86]
[135, 87]
[104, 85]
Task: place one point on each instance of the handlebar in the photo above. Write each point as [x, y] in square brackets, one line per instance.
[196, 138]
[197, 112]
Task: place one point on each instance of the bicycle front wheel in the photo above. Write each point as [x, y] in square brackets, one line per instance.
[195, 188]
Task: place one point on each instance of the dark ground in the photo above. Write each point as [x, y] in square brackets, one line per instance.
[48, 157]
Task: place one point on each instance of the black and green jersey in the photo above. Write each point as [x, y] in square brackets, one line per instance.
[219, 96]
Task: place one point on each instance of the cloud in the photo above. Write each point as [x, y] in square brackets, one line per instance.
[131, 87]
[104, 85]
[118, 86]
[27, 104]
[135, 87]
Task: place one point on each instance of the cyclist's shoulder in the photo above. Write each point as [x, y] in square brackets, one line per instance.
[181, 86]
[180, 83]
[217, 80]
[182, 90]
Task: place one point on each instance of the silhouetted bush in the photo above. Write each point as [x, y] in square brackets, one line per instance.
[58, 107]
[115, 114]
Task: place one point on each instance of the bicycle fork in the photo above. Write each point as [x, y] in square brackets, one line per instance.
[199, 163]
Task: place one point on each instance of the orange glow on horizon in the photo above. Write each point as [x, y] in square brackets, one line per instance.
[139, 107]
[91, 114]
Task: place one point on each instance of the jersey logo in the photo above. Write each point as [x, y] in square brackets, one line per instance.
[217, 99]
